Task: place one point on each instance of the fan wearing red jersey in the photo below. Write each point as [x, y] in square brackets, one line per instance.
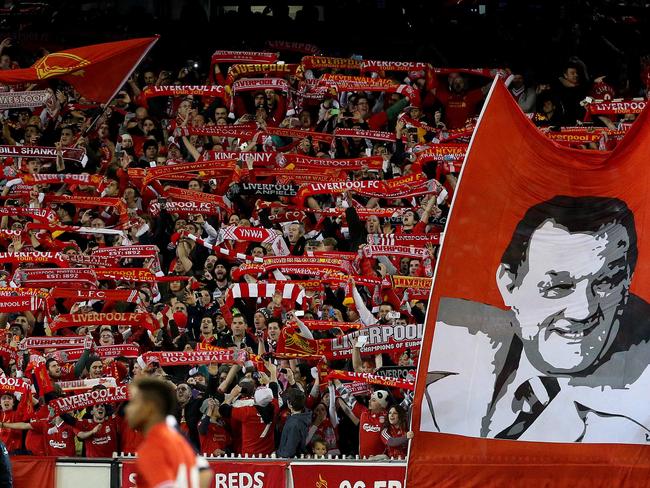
[165, 459]
[371, 419]
[99, 433]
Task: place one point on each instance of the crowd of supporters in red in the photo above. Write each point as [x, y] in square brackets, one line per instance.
[268, 248]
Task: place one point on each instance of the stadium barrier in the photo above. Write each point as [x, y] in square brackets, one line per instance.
[229, 472]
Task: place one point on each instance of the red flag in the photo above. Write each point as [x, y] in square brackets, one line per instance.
[96, 71]
[534, 357]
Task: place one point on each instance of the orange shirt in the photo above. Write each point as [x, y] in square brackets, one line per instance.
[165, 460]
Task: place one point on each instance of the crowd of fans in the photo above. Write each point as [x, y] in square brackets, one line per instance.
[197, 288]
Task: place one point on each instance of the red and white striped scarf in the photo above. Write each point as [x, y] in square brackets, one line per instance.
[416, 240]
[289, 291]
[222, 251]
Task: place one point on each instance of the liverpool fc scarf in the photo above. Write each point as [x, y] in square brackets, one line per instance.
[373, 379]
[88, 399]
[135, 319]
[181, 358]
[184, 90]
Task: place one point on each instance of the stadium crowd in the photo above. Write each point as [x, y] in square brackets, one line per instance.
[267, 247]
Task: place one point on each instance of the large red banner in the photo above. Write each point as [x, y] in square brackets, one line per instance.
[348, 475]
[32, 471]
[534, 367]
[231, 474]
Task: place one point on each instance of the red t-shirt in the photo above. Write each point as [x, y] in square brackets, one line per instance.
[104, 442]
[35, 440]
[256, 436]
[130, 439]
[13, 438]
[217, 437]
[58, 440]
[396, 451]
[370, 426]
[164, 459]
[459, 108]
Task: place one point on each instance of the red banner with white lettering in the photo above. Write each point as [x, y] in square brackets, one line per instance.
[231, 474]
[348, 475]
[535, 357]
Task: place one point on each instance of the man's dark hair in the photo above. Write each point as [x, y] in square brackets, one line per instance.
[69, 208]
[149, 143]
[49, 361]
[590, 215]
[91, 360]
[158, 392]
[296, 399]
[305, 370]
[247, 387]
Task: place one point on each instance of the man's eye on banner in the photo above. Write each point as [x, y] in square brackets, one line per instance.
[539, 320]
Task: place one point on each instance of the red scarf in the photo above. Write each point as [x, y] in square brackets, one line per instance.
[223, 251]
[442, 152]
[237, 71]
[403, 187]
[289, 291]
[293, 46]
[416, 240]
[256, 159]
[237, 131]
[242, 57]
[249, 234]
[376, 66]
[615, 108]
[184, 90]
[21, 303]
[355, 164]
[357, 83]
[50, 277]
[135, 251]
[299, 134]
[176, 358]
[33, 257]
[322, 62]
[259, 84]
[38, 214]
[104, 352]
[373, 379]
[130, 296]
[411, 282]
[24, 99]
[197, 197]
[67, 342]
[162, 171]
[134, 319]
[53, 179]
[13, 385]
[330, 324]
[381, 338]
[376, 135]
[371, 251]
[42, 152]
[88, 399]
[86, 384]
[296, 264]
[185, 208]
[138, 275]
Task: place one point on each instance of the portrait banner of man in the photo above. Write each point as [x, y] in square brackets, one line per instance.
[535, 362]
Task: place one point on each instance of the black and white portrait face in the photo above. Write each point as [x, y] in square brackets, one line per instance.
[567, 295]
